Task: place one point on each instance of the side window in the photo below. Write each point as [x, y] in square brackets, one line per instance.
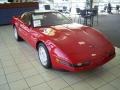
[37, 20]
[26, 18]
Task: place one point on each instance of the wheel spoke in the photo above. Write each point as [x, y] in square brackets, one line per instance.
[42, 56]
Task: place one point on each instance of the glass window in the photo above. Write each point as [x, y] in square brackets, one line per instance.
[26, 18]
[49, 19]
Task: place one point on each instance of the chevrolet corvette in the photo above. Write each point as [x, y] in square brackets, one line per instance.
[62, 44]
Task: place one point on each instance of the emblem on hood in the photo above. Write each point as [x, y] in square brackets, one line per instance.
[49, 31]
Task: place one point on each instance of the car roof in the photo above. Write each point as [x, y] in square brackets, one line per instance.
[42, 11]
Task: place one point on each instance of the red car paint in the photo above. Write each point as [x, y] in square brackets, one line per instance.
[69, 44]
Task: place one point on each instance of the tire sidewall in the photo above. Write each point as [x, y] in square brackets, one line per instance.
[15, 33]
[48, 65]
[17, 37]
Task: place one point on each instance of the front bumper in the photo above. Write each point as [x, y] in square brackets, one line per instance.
[94, 64]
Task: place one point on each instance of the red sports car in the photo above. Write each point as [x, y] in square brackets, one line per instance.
[62, 44]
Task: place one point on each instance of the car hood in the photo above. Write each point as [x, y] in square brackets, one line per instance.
[78, 41]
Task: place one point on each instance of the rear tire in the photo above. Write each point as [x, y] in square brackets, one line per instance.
[44, 56]
[17, 37]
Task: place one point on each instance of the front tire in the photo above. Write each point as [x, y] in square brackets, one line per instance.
[17, 37]
[44, 56]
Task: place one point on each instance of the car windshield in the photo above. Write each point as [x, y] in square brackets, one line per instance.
[49, 19]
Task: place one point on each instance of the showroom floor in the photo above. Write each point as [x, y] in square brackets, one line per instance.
[20, 69]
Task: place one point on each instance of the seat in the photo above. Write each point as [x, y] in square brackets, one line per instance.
[85, 14]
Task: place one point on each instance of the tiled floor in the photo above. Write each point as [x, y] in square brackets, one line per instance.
[20, 70]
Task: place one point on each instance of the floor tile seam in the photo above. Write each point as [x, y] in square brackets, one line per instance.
[37, 84]
[19, 69]
[106, 84]
[110, 80]
[55, 79]
[5, 75]
[25, 69]
[84, 79]
[47, 80]
[28, 59]
[50, 79]
[22, 74]
[114, 86]
[31, 76]
[115, 75]
[68, 84]
[36, 74]
[40, 84]
[17, 65]
[95, 87]
[11, 73]
[38, 70]
[77, 82]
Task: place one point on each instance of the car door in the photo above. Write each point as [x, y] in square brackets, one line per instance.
[24, 27]
[33, 36]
